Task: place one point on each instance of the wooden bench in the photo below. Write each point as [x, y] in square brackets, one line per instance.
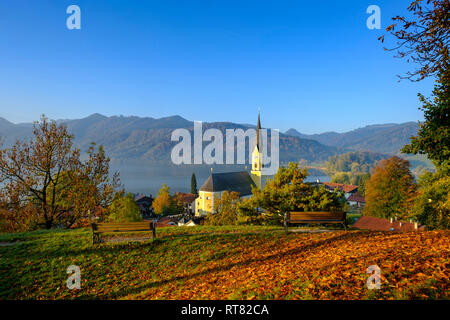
[98, 228]
[315, 217]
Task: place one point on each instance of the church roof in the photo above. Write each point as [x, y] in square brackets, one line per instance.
[356, 197]
[229, 181]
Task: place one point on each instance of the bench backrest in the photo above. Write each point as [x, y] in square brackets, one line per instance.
[316, 216]
[123, 227]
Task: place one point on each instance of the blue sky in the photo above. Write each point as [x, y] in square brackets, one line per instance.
[309, 65]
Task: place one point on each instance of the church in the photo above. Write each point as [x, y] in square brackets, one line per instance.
[240, 181]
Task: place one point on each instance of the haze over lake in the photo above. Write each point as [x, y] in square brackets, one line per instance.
[147, 178]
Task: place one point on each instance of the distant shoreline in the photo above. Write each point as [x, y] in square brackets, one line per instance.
[146, 178]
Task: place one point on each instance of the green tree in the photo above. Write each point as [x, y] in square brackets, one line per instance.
[193, 184]
[249, 212]
[225, 208]
[342, 177]
[358, 179]
[124, 209]
[390, 190]
[433, 138]
[363, 178]
[432, 205]
[287, 191]
[423, 37]
[354, 162]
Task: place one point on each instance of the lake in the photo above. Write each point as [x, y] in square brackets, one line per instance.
[147, 178]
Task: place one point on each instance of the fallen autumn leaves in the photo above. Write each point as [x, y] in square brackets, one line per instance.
[246, 264]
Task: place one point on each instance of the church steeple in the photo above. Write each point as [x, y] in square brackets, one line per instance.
[257, 155]
[258, 127]
[257, 150]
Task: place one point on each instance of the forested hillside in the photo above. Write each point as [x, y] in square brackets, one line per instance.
[127, 138]
[383, 138]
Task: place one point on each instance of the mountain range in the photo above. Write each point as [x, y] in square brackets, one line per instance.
[383, 138]
[146, 138]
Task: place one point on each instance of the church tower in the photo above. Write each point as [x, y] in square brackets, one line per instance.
[257, 160]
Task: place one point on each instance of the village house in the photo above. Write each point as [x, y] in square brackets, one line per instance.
[190, 222]
[145, 204]
[166, 221]
[353, 197]
[356, 199]
[348, 189]
[188, 200]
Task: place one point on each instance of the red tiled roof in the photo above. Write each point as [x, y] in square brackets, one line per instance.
[142, 197]
[165, 219]
[345, 187]
[380, 224]
[162, 225]
[164, 222]
[187, 197]
[356, 197]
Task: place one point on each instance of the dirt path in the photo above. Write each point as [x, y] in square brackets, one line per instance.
[7, 244]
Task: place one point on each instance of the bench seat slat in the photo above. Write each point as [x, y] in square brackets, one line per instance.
[103, 230]
[315, 217]
[318, 212]
[146, 223]
[124, 225]
[315, 221]
[140, 225]
[318, 219]
[104, 227]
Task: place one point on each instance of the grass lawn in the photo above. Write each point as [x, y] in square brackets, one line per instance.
[226, 263]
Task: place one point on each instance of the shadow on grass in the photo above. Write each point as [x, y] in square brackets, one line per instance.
[146, 242]
[136, 237]
[275, 256]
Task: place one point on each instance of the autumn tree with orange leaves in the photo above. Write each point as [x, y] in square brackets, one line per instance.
[165, 203]
[46, 182]
[390, 190]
